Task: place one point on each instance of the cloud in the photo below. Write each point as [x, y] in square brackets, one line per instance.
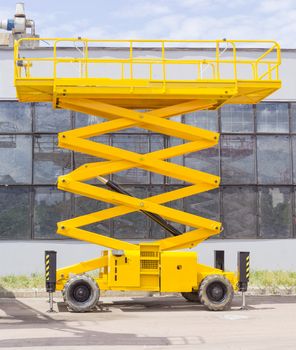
[172, 19]
[137, 10]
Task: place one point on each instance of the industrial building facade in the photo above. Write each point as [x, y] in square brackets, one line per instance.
[256, 160]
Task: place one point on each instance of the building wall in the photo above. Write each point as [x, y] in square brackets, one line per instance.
[255, 158]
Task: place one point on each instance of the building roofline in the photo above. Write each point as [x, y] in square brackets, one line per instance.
[182, 49]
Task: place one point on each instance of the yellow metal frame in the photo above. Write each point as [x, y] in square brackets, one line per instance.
[115, 99]
[219, 72]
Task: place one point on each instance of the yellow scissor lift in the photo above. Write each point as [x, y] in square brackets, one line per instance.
[79, 75]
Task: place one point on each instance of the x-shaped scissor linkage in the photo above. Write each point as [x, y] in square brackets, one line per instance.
[119, 160]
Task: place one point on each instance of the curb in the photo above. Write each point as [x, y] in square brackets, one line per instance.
[40, 293]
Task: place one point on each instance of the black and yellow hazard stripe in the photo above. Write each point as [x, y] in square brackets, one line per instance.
[47, 267]
[248, 267]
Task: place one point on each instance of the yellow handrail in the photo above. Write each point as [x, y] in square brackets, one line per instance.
[216, 63]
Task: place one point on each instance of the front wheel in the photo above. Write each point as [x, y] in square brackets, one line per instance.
[81, 293]
[216, 293]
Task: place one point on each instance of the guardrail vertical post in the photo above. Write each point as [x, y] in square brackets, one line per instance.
[217, 60]
[131, 60]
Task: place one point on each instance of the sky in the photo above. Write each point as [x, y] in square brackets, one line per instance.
[162, 19]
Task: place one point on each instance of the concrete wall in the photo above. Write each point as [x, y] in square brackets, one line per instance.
[28, 256]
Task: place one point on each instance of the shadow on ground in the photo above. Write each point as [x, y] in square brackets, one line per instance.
[176, 303]
[18, 318]
[24, 319]
[6, 293]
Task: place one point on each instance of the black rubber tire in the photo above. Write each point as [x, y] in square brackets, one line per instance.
[193, 297]
[81, 293]
[216, 293]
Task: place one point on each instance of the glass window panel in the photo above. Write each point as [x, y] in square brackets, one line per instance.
[273, 158]
[15, 215]
[157, 142]
[272, 117]
[84, 205]
[203, 119]
[50, 161]
[82, 158]
[82, 119]
[171, 142]
[206, 160]
[48, 119]
[239, 212]
[204, 204]
[134, 143]
[15, 159]
[275, 212]
[177, 204]
[50, 207]
[294, 158]
[156, 230]
[15, 117]
[237, 118]
[293, 117]
[238, 159]
[134, 225]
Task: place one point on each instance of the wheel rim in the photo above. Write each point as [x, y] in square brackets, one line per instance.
[81, 292]
[216, 292]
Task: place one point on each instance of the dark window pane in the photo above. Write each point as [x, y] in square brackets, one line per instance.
[82, 119]
[204, 204]
[15, 213]
[48, 119]
[134, 225]
[273, 157]
[15, 117]
[157, 142]
[50, 161]
[272, 117]
[15, 159]
[239, 212]
[275, 212]
[237, 118]
[238, 159]
[206, 160]
[50, 207]
[293, 117]
[156, 230]
[84, 205]
[203, 119]
[294, 158]
[83, 158]
[171, 142]
[134, 143]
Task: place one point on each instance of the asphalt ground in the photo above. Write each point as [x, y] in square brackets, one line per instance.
[159, 322]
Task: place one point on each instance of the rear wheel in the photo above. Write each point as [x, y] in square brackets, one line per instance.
[193, 297]
[81, 293]
[216, 293]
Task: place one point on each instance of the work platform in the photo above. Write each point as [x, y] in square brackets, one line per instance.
[148, 74]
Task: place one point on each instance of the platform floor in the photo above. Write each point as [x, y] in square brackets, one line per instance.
[167, 322]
